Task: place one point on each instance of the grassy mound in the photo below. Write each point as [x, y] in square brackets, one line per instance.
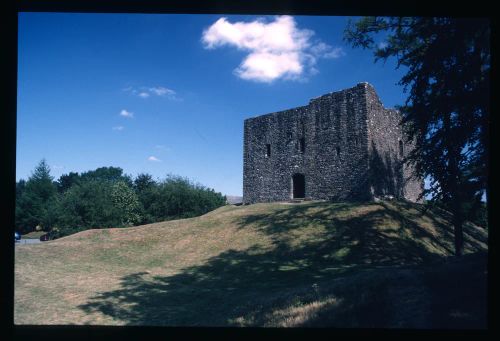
[33, 235]
[310, 264]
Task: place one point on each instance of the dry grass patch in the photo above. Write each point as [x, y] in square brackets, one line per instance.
[233, 266]
[299, 315]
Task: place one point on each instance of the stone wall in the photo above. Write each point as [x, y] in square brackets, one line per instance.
[328, 141]
[386, 149]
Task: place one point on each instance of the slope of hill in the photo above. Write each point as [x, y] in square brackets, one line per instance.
[381, 264]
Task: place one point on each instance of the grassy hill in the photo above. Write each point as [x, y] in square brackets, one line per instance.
[382, 264]
[33, 235]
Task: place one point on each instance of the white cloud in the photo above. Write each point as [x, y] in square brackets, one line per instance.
[266, 67]
[126, 113]
[56, 167]
[277, 49]
[154, 159]
[161, 91]
[323, 50]
[118, 128]
[145, 92]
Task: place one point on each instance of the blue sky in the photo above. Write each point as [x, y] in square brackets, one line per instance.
[167, 94]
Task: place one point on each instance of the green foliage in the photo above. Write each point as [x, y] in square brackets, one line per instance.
[35, 199]
[143, 182]
[40, 183]
[125, 200]
[65, 181]
[112, 174]
[177, 197]
[88, 204]
[447, 110]
[20, 187]
[105, 198]
[146, 189]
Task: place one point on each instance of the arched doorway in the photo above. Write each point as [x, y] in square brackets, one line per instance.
[298, 186]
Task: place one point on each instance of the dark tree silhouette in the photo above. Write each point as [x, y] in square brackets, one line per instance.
[447, 109]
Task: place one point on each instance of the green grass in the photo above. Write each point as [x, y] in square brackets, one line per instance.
[310, 264]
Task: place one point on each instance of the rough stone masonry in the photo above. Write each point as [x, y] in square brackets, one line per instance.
[342, 146]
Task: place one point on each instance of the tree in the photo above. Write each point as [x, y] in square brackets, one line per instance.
[146, 189]
[104, 198]
[447, 110]
[177, 197]
[143, 182]
[112, 174]
[35, 203]
[65, 181]
[20, 187]
[87, 204]
[126, 202]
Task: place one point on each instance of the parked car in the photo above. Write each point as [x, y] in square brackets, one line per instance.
[17, 237]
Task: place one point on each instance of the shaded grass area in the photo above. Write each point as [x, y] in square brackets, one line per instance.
[310, 264]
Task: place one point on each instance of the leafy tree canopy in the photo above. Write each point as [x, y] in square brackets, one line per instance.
[112, 174]
[65, 181]
[104, 198]
[125, 200]
[143, 182]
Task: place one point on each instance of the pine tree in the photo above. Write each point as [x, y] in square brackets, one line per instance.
[447, 109]
[35, 203]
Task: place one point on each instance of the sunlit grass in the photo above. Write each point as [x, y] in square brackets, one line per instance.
[265, 264]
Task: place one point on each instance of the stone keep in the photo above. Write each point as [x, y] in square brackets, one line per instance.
[342, 146]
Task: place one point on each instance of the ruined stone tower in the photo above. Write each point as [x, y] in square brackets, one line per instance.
[341, 146]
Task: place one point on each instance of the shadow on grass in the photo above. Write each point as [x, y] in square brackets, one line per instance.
[247, 287]
[388, 233]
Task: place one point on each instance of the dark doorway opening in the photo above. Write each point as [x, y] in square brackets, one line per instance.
[299, 186]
